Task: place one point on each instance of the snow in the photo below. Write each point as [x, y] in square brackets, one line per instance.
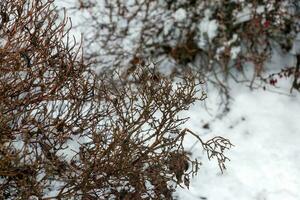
[296, 45]
[180, 15]
[208, 29]
[168, 24]
[265, 161]
[246, 14]
[235, 51]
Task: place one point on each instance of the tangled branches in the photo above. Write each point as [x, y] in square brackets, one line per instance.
[67, 133]
[216, 38]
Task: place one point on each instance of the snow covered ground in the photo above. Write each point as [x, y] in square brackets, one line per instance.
[264, 127]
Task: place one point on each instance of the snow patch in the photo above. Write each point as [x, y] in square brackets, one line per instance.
[180, 15]
[207, 29]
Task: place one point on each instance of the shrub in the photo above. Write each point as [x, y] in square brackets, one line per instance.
[67, 133]
[215, 38]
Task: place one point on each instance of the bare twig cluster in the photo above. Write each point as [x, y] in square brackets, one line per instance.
[67, 133]
[177, 32]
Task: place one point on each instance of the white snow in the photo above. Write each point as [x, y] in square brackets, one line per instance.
[168, 24]
[208, 30]
[235, 51]
[246, 13]
[264, 127]
[180, 15]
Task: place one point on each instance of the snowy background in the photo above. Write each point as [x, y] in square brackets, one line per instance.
[263, 126]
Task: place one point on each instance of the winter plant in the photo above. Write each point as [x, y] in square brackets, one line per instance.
[223, 40]
[69, 133]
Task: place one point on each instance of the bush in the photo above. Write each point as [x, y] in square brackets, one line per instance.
[67, 133]
[216, 38]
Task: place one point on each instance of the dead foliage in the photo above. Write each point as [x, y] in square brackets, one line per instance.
[67, 133]
[176, 32]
